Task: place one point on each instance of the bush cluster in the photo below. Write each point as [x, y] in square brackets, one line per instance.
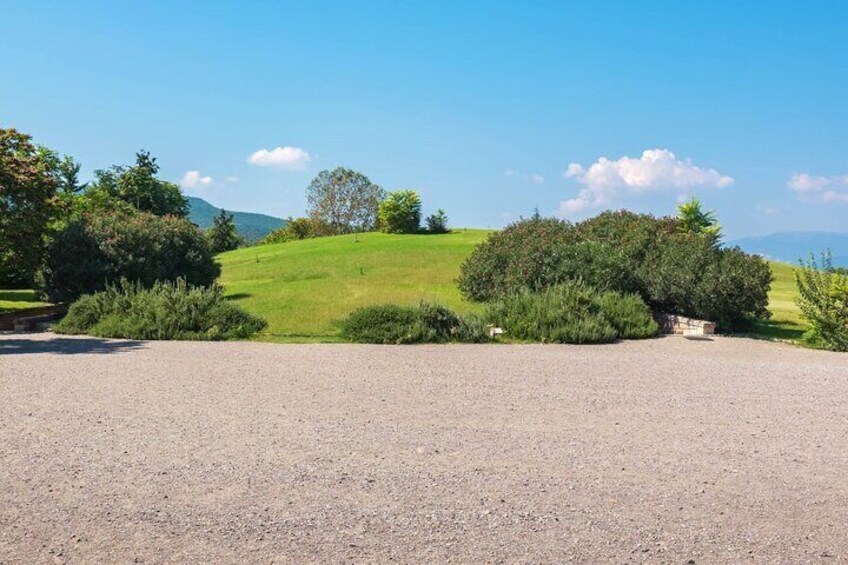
[95, 249]
[298, 228]
[823, 299]
[166, 310]
[426, 323]
[572, 312]
[673, 270]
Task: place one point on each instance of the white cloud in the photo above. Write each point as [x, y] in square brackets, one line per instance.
[290, 158]
[812, 188]
[534, 178]
[193, 179]
[232, 180]
[656, 170]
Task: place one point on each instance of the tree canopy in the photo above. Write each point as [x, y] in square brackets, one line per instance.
[138, 186]
[27, 190]
[347, 201]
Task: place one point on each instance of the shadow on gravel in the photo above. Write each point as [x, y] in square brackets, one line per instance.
[66, 346]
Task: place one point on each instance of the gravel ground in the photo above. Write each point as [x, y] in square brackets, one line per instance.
[662, 451]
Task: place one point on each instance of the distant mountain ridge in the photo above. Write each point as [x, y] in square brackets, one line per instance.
[249, 225]
[792, 246]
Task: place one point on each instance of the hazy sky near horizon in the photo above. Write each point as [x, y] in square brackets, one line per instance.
[489, 109]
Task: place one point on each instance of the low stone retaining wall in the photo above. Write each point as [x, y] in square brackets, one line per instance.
[29, 318]
[681, 325]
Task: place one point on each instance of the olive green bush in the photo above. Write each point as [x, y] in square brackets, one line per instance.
[165, 311]
[426, 323]
[823, 300]
[673, 270]
[572, 312]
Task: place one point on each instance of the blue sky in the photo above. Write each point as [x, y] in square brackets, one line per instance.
[488, 108]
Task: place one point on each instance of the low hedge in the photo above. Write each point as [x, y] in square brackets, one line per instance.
[572, 313]
[164, 311]
[426, 323]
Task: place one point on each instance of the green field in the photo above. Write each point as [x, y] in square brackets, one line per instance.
[303, 288]
[786, 322]
[11, 300]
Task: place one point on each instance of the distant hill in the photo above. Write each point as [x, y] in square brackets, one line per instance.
[792, 246]
[249, 225]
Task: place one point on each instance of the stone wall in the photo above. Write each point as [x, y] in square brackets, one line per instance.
[681, 325]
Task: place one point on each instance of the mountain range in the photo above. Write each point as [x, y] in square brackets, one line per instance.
[791, 247]
[249, 225]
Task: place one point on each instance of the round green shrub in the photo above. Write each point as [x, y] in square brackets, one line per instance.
[95, 249]
[426, 323]
[536, 254]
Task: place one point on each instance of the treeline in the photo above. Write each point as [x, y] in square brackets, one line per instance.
[343, 201]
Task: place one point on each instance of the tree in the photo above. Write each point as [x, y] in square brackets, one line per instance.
[438, 222]
[137, 185]
[693, 219]
[27, 189]
[223, 235]
[345, 200]
[400, 212]
[100, 247]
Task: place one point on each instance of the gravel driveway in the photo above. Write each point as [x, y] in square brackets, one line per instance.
[666, 451]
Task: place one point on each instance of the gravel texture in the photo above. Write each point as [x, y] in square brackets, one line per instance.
[661, 451]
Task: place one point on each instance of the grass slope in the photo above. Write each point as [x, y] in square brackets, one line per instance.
[786, 322]
[12, 300]
[303, 288]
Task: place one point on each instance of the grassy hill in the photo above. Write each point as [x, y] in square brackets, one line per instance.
[249, 225]
[304, 287]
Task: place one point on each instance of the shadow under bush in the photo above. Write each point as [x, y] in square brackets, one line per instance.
[164, 311]
[426, 323]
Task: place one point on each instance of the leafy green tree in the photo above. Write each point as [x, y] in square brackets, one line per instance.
[693, 218]
[137, 185]
[102, 247]
[27, 190]
[345, 200]
[438, 222]
[400, 212]
[223, 235]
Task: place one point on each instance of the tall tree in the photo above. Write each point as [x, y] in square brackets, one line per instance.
[137, 185]
[345, 200]
[27, 189]
[223, 235]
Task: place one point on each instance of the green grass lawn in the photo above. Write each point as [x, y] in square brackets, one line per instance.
[786, 322]
[303, 288]
[11, 300]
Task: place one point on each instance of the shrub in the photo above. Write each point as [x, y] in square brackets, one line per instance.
[572, 313]
[164, 311]
[427, 323]
[296, 229]
[536, 254]
[400, 212]
[438, 222]
[823, 299]
[672, 269]
[628, 314]
[95, 249]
